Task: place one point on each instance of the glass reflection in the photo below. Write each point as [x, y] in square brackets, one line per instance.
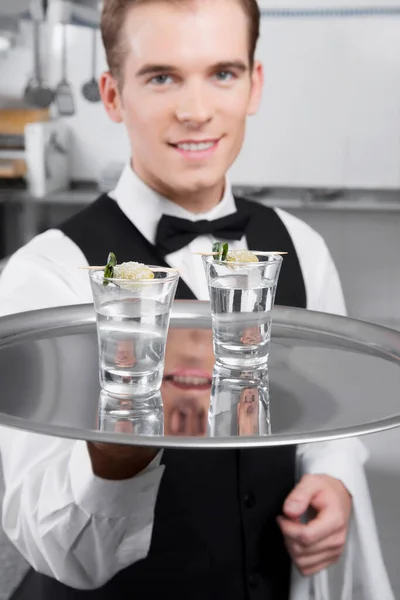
[122, 414]
[239, 404]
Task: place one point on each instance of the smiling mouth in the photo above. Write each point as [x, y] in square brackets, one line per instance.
[193, 146]
[189, 382]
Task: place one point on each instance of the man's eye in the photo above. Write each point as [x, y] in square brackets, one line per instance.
[161, 79]
[224, 76]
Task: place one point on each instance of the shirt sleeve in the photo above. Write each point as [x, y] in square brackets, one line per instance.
[341, 459]
[321, 279]
[65, 521]
[328, 296]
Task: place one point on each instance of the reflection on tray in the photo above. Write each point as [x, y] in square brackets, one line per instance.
[125, 415]
[239, 406]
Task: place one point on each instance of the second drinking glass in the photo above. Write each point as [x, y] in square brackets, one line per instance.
[242, 296]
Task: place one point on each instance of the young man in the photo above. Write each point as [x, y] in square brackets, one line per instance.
[134, 522]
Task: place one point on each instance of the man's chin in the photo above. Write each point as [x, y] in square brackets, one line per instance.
[176, 394]
[189, 185]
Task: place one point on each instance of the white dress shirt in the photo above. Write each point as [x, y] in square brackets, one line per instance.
[68, 523]
[144, 207]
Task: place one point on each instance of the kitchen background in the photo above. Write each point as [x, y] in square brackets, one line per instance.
[324, 146]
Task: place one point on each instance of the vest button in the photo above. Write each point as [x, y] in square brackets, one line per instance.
[253, 579]
[249, 500]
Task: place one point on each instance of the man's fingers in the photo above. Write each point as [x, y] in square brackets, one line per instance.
[308, 489]
[309, 571]
[315, 560]
[323, 526]
[333, 544]
[319, 543]
[291, 530]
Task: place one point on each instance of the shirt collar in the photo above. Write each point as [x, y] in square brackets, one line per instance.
[144, 207]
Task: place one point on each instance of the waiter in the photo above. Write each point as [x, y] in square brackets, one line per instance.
[105, 522]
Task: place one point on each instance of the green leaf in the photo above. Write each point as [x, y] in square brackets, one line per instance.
[217, 248]
[222, 249]
[109, 270]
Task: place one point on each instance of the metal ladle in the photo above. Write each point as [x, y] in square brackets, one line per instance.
[64, 96]
[37, 93]
[90, 90]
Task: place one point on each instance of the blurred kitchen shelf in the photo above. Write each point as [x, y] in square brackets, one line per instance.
[83, 193]
[345, 204]
[328, 200]
[12, 154]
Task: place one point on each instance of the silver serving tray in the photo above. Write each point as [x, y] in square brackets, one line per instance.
[329, 377]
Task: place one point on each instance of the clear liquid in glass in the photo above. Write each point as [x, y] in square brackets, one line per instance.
[132, 336]
[241, 308]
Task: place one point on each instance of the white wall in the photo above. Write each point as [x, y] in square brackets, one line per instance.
[366, 248]
[295, 5]
[330, 114]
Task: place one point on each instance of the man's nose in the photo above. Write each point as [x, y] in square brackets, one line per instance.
[201, 345]
[195, 107]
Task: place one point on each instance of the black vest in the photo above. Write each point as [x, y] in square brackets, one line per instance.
[215, 534]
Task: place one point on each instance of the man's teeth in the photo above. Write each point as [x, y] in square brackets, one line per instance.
[196, 147]
[187, 380]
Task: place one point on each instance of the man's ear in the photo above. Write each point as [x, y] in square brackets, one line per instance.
[111, 97]
[257, 84]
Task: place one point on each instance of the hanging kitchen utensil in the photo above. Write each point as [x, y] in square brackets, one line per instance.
[90, 90]
[37, 94]
[64, 95]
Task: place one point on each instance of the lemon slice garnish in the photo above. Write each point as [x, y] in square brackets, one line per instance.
[241, 256]
[133, 271]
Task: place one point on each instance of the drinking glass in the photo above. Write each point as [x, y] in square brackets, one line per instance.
[132, 324]
[242, 297]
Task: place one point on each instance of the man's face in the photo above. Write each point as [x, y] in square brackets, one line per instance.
[187, 91]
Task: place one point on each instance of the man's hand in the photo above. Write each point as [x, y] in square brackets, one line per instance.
[116, 461]
[318, 544]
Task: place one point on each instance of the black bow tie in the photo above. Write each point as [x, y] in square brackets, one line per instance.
[174, 233]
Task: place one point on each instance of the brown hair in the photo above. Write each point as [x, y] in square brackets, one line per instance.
[112, 24]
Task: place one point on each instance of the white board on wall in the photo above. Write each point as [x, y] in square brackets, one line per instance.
[330, 115]
[326, 4]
